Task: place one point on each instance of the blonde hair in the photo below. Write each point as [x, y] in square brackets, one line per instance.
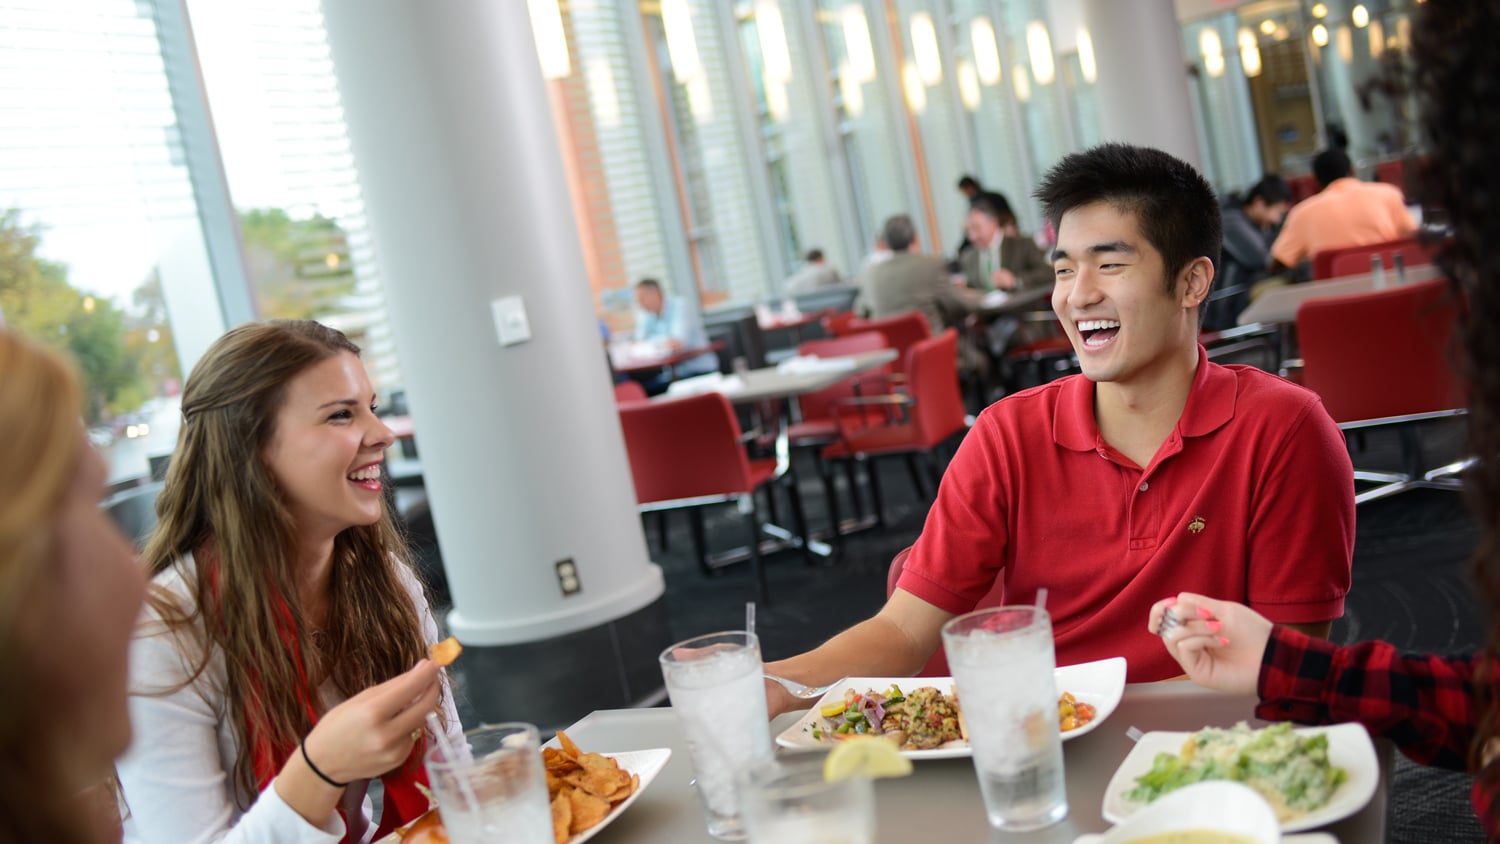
[40, 409]
[222, 503]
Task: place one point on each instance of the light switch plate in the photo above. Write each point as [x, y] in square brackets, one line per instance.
[511, 324]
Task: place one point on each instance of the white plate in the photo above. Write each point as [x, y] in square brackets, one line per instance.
[1349, 747]
[643, 763]
[1099, 684]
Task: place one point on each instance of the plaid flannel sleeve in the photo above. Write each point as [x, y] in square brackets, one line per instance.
[1422, 703]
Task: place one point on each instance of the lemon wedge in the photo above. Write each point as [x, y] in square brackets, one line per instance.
[869, 756]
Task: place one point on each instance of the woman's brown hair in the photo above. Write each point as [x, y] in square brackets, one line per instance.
[221, 503]
[40, 411]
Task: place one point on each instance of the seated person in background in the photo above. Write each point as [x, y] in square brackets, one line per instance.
[1345, 212]
[999, 257]
[910, 281]
[1250, 223]
[70, 592]
[814, 275]
[1153, 469]
[282, 663]
[1439, 710]
[972, 190]
[673, 320]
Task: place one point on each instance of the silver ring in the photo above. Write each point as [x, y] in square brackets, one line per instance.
[1169, 620]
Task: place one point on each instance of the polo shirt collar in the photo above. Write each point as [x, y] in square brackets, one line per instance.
[1210, 406]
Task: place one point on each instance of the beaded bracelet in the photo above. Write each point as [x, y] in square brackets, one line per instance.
[322, 776]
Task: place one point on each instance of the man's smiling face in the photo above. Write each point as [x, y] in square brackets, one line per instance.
[1112, 299]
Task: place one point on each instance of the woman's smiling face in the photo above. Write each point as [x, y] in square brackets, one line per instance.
[326, 449]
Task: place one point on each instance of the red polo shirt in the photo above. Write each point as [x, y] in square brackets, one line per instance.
[1251, 498]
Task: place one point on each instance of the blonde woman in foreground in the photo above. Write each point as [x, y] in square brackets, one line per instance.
[70, 591]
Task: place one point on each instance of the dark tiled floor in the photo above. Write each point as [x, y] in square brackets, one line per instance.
[1410, 587]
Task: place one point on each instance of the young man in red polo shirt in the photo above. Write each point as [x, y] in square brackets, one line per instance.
[1152, 470]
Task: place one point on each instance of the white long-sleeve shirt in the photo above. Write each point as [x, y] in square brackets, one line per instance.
[177, 776]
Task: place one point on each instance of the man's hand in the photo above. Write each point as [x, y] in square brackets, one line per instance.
[1003, 279]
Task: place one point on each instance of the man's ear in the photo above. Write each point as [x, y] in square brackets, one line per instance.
[1195, 281]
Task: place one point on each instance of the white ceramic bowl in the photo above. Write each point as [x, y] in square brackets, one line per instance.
[1217, 805]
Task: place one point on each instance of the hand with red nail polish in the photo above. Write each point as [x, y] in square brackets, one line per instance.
[1219, 644]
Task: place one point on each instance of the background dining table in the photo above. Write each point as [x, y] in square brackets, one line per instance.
[940, 801]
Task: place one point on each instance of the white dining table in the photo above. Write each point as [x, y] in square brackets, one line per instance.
[940, 800]
[1279, 304]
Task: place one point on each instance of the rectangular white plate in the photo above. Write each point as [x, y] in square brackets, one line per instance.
[1349, 747]
[1100, 684]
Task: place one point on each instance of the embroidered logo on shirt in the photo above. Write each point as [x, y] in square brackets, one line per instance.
[1197, 525]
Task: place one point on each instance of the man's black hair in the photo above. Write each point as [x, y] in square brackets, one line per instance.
[1330, 164]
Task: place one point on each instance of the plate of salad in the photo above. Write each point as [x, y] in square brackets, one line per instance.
[923, 716]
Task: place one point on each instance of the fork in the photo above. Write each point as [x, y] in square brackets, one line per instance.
[802, 690]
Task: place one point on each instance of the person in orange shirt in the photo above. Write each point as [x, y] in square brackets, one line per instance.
[1346, 212]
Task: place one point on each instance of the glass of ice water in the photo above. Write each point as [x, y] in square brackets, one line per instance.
[720, 700]
[1002, 661]
[493, 787]
[787, 801]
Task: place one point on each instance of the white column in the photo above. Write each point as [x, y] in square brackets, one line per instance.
[520, 444]
[1142, 91]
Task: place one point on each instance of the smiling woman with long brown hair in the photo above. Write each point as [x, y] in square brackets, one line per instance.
[282, 664]
[1440, 711]
[70, 590]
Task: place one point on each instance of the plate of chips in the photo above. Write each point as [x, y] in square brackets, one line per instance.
[588, 790]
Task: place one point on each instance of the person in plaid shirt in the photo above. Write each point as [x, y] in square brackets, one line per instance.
[1438, 710]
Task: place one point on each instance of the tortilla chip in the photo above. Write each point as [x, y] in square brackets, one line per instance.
[562, 818]
[587, 810]
[444, 652]
[568, 746]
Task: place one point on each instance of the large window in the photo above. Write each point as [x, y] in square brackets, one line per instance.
[280, 127]
[102, 226]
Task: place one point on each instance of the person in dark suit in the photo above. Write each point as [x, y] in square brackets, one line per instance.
[1000, 258]
[972, 190]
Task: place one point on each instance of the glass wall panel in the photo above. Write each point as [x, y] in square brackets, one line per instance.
[1357, 37]
[280, 127]
[622, 211]
[692, 56]
[787, 79]
[929, 80]
[869, 123]
[1223, 53]
[1035, 83]
[97, 211]
[1000, 147]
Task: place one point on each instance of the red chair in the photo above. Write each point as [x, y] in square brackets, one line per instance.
[937, 664]
[686, 453]
[1322, 262]
[1357, 261]
[628, 391]
[1392, 172]
[1383, 359]
[1302, 187]
[901, 332]
[935, 412]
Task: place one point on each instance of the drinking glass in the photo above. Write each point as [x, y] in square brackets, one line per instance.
[720, 700]
[492, 788]
[787, 801]
[1002, 661]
